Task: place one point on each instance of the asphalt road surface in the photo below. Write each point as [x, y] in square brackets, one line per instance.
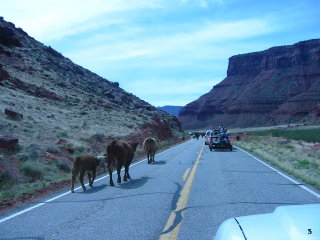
[186, 194]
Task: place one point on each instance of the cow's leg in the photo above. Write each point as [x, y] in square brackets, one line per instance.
[110, 176]
[93, 176]
[74, 175]
[153, 157]
[148, 155]
[127, 172]
[89, 176]
[125, 176]
[119, 177]
[81, 179]
[72, 184]
[110, 169]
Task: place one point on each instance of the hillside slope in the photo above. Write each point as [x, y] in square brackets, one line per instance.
[280, 85]
[65, 110]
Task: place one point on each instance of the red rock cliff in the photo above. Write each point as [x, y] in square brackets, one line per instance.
[280, 85]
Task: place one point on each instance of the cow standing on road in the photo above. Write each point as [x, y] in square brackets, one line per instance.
[120, 153]
[150, 146]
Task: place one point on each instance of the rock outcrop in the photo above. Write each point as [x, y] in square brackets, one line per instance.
[280, 85]
[8, 142]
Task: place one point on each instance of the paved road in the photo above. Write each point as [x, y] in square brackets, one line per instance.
[187, 194]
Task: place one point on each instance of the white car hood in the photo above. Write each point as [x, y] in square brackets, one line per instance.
[295, 222]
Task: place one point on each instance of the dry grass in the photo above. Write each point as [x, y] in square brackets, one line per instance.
[298, 158]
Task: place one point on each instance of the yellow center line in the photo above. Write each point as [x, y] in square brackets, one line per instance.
[185, 175]
[182, 203]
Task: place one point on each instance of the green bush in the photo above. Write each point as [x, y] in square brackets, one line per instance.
[62, 134]
[99, 137]
[6, 194]
[52, 149]
[22, 157]
[80, 149]
[32, 170]
[6, 179]
[63, 166]
[302, 164]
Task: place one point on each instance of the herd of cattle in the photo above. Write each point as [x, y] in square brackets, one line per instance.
[119, 153]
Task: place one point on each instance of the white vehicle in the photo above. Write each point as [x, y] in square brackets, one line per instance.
[293, 222]
[207, 137]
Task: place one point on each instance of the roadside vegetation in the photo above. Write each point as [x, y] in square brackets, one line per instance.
[308, 135]
[295, 151]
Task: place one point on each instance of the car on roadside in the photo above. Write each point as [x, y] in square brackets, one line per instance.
[289, 222]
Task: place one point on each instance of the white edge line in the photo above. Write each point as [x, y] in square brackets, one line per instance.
[63, 194]
[282, 174]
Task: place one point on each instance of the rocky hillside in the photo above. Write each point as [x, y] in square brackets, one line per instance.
[56, 110]
[280, 85]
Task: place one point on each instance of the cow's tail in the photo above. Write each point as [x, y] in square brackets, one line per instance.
[110, 154]
[75, 169]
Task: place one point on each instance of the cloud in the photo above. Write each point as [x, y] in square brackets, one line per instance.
[203, 3]
[56, 19]
[201, 41]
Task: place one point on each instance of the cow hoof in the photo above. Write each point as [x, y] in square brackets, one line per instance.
[125, 179]
[112, 184]
[84, 189]
[72, 191]
[119, 181]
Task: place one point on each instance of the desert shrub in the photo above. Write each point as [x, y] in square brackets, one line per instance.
[99, 137]
[52, 149]
[61, 134]
[6, 179]
[62, 84]
[302, 164]
[33, 151]
[6, 194]
[289, 146]
[78, 154]
[32, 170]
[63, 166]
[79, 149]
[22, 157]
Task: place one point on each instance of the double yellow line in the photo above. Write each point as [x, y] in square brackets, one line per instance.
[172, 234]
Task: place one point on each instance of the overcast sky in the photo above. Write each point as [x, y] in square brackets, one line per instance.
[166, 52]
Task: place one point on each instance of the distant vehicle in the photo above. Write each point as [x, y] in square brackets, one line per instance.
[219, 139]
[207, 136]
[284, 223]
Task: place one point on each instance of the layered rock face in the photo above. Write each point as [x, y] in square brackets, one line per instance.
[280, 85]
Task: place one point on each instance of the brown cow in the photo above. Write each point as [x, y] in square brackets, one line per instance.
[82, 164]
[150, 146]
[120, 153]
